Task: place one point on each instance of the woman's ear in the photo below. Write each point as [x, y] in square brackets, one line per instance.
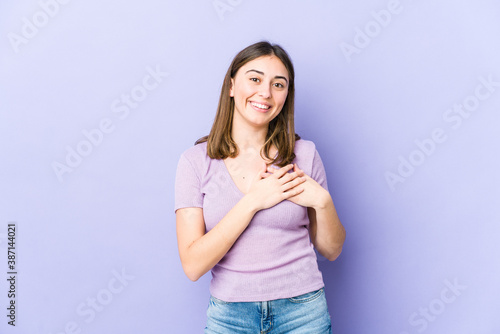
[231, 92]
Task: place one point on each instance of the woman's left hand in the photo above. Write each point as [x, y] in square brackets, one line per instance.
[314, 195]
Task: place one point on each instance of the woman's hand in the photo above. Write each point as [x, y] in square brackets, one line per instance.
[313, 194]
[269, 189]
[325, 229]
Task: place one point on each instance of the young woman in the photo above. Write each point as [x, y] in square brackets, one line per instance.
[252, 201]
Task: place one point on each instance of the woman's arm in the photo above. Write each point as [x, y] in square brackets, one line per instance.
[325, 229]
[200, 251]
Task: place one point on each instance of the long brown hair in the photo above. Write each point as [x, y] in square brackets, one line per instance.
[281, 131]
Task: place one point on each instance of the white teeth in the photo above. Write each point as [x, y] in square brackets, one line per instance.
[261, 106]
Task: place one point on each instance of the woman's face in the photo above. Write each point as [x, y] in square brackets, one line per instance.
[259, 89]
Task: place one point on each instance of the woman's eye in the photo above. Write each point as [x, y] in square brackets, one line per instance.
[279, 85]
[255, 79]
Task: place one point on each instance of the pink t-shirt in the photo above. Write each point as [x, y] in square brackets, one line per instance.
[274, 257]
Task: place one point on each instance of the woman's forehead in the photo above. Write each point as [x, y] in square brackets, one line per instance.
[268, 65]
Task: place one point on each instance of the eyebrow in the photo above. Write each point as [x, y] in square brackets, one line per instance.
[262, 73]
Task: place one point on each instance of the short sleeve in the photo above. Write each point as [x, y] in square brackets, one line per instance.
[187, 185]
[318, 170]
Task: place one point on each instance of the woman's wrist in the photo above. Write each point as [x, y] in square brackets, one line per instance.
[323, 202]
[250, 203]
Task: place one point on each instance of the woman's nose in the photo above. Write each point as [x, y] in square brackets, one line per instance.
[265, 91]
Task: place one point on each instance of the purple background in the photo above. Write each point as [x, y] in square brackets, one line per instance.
[112, 215]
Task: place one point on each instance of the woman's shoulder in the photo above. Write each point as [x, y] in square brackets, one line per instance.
[304, 154]
[196, 155]
[304, 146]
[196, 151]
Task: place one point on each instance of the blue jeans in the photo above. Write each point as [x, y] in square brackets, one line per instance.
[307, 313]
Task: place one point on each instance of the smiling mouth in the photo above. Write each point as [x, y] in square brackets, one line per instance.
[260, 106]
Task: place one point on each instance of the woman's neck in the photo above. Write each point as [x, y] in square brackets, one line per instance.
[248, 138]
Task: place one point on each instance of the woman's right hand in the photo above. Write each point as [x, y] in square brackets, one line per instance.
[269, 189]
